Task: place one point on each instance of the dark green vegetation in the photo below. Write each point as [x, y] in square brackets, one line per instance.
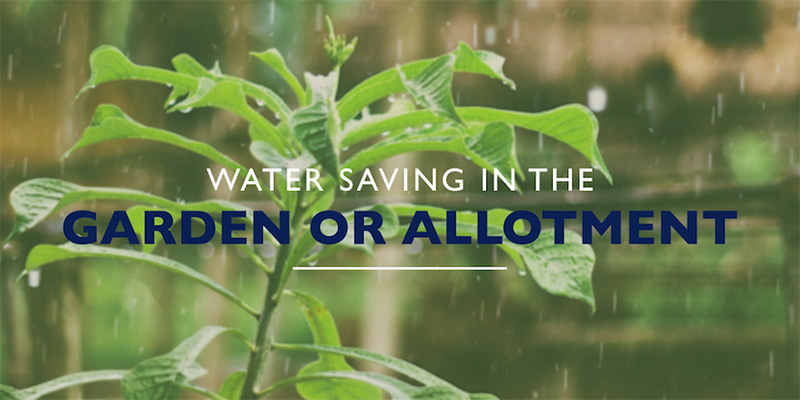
[312, 135]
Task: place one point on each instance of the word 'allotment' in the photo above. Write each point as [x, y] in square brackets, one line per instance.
[331, 227]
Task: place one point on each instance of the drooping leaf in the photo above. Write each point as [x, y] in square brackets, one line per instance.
[229, 95]
[45, 254]
[560, 269]
[493, 148]
[573, 124]
[136, 216]
[109, 64]
[274, 59]
[324, 331]
[404, 367]
[36, 199]
[60, 383]
[395, 388]
[487, 145]
[164, 376]
[389, 82]
[184, 63]
[111, 123]
[432, 87]
[232, 386]
[481, 62]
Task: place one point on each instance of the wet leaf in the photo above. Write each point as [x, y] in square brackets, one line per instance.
[164, 376]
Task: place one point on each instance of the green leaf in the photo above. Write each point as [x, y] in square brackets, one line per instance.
[274, 59]
[389, 228]
[493, 148]
[35, 199]
[266, 154]
[136, 216]
[389, 82]
[560, 269]
[109, 64]
[324, 331]
[44, 254]
[404, 367]
[184, 63]
[432, 87]
[397, 389]
[232, 386]
[164, 376]
[111, 123]
[490, 147]
[60, 383]
[481, 62]
[573, 124]
[10, 393]
[310, 127]
[229, 95]
[388, 123]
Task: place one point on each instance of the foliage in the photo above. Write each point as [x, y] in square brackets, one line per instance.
[310, 136]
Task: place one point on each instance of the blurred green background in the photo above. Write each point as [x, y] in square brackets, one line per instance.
[698, 109]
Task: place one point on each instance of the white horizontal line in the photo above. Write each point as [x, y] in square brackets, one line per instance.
[418, 268]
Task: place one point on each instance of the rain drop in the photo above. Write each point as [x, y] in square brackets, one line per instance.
[597, 98]
[34, 278]
[490, 35]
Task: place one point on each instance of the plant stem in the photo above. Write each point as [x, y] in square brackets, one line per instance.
[258, 358]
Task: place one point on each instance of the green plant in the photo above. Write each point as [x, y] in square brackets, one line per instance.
[314, 134]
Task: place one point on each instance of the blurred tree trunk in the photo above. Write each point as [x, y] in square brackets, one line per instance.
[791, 237]
[381, 324]
[222, 266]
[56, 309]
